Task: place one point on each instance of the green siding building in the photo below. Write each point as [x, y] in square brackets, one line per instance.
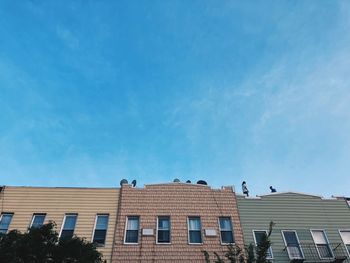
[307, 228]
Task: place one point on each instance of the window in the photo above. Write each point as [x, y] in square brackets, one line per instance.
[163, 229]
[322, 245]
[291, 241]
[100, 231]
[194, 230]
[5, 221]
[345, 235]
[258, 238]
[68, 225]
[37, 220]
[226, 234]
[132, 230]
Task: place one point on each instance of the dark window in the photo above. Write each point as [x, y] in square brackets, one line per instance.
[163, 233]
[259, 236]
[69, 226]
[100, 229]
[226, 230]
[194, 230]
[38, 220]
[321, 243]
[132, 230]
[292, 243]
[5, 221]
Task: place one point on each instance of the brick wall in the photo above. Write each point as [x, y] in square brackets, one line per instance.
[177, 200]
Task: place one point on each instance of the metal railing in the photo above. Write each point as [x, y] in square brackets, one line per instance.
[311, 253]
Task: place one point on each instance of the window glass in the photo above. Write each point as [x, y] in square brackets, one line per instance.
[345, 235]
[319, 237]
[293, 247]
[5, 221]
[226, 230]
[69, 226]
[163, 234]
[100, 229]
[322, 245]
[259, 236]
[38, 220]
[195, 230]
[132, 229]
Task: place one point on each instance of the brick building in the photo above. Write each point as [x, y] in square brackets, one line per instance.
[174, 222]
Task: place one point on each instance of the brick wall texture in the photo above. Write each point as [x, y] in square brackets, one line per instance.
[177, 200]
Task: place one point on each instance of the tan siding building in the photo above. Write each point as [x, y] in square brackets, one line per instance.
[87, 203]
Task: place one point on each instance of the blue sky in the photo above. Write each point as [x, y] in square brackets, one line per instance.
[95, 91]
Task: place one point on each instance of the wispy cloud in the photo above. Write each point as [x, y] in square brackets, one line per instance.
[67, 37]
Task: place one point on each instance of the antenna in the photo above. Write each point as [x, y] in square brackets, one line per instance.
[176, 180]
[123, 181]
[133, 183]
[202, 182]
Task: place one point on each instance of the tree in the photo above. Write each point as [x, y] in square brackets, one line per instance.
[235, 254]
[263, 246]
[250, 250]
[41, 245]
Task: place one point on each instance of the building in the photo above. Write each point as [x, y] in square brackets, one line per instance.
[85, 212]
[308, 228]
[174, 222]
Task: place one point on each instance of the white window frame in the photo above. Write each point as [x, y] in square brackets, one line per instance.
[37, 214]
[93, 231]
[163, 243]
[233, 236]
[256, 244]
[138, 230]
[325, 234]
[64, 221]
[2, 214]
[344, 230]
[188, 230]
[285, 243]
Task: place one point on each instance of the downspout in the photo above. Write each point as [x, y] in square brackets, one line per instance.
[118, 208]
[2, 197]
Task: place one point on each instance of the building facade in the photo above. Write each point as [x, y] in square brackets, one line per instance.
[307, 228]
[174, 222]
[86, 212]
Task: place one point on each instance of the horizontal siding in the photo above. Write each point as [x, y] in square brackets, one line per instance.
[56, 202]
[292, 212]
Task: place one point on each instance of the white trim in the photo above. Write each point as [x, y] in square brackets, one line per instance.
[138, 231]
[233, 237]
[188, 230]
[93, 232]
[344, 230]
[285, 243]
[162, 243]
[64, 221]
[290, 192]
[37, 214]
[325, 235]
[270, 248]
